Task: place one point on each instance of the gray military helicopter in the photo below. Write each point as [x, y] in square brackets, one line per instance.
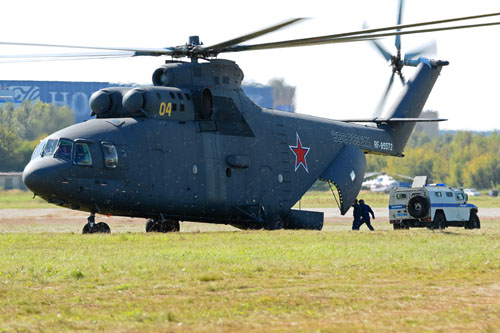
[194, 147]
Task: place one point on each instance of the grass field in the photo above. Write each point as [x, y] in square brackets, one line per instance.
[332, 280]
[312, 199]
[413, 280]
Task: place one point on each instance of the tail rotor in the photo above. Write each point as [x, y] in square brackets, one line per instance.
[397, 61]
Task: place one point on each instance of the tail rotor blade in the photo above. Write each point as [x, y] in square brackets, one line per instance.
[430, 48]
[383, 51]
[380, 106]
[400, 18]
[403, 81]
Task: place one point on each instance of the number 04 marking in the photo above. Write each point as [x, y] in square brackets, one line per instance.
[165, 109]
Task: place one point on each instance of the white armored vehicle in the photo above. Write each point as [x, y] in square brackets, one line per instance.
[433, 206]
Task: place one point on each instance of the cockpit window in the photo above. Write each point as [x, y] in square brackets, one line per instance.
[110, 155]
[38, 150]
[49, 148]
[82, 154]
[64, 149]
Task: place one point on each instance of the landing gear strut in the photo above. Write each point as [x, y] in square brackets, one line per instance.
[162, 226]
[92, 228]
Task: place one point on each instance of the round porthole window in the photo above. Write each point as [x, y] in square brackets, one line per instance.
[195, 169]
[280, 178]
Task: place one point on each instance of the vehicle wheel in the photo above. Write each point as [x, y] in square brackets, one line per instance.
[152, 226]
[103, 228]
[439, 221]
[274, 224]
[170, 226]
[418, 206]
[474, 221]
[396, 226]
[87, 229]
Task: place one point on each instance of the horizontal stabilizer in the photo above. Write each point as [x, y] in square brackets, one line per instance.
[393, 120]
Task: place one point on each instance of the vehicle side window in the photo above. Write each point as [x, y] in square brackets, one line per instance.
[64, 149]
[110, 155]
[415, 194]
[82, 154]
[449, 194]
[438, 194]
[460, 196]
[49, 148]
[400, 196]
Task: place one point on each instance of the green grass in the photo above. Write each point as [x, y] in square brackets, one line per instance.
[415, 280]
[312, 199]
[15, 199]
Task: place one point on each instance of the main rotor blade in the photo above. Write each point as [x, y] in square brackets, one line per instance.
[138, 51]
[68, 55]
[333, 39]
[400, 17]
[429, 48]
[253, 35]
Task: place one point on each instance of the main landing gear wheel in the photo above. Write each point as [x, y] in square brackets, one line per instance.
[162, 226]
[274, 224]
[95, 228]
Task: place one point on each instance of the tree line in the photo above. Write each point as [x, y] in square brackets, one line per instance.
[461, 159]
[22, 128]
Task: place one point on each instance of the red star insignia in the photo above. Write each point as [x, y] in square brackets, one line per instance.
[300, 154]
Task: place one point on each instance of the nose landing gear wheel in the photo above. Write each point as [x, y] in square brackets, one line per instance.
[95, 228]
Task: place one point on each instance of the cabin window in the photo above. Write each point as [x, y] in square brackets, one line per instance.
[172, 95]
[64, 149]
[182, 107]
[110, 155]
[188, 97]
[82, 154]
[400, 196]
[438, 194]
[449, 194]
[174, 107]
[460, 196]
[179, 95]
[38, 150]
[49, 148]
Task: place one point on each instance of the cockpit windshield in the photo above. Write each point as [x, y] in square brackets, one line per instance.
[38, 150]
[77, 151]
[49, 148]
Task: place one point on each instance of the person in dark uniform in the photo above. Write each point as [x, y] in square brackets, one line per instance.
[365, 214]
[356, 214]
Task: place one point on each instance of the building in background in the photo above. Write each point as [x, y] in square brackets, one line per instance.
[76, 95]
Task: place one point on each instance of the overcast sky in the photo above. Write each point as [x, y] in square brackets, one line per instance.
[334, 81]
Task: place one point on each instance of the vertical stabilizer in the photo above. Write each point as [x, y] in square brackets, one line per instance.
[411, 101]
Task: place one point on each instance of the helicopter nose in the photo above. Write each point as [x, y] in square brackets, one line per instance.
[38, 176]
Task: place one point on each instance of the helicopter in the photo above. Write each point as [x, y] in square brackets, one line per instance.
[194, 147]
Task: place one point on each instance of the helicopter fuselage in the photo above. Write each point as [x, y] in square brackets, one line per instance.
[206, 153]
